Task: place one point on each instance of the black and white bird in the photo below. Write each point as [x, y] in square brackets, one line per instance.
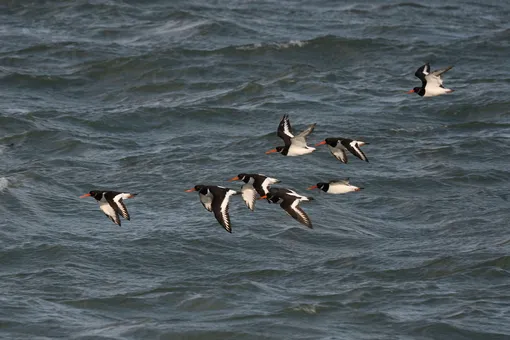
[254, 184]
[111, 203]
[336, 187]
[215, 198]
[431, 82]
[294, 145]
[338, 147]
[289, 201]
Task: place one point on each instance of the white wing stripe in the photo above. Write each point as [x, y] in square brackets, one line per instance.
[286, 128]
[224, 208]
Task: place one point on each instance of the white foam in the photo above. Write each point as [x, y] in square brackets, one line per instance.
[249, 47]
[3, 183]
[278, 46]
[292, 43]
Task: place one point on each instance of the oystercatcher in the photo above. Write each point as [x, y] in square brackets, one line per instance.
[431, 82]
[215, 198]
[112, 203]
[294, 145]
[255, 183]
[336, 187]
[289, 201]
[338, 146]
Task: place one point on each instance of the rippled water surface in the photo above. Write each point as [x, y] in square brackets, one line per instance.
[154, 97]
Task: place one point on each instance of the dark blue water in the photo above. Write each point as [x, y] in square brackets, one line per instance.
[155, 97]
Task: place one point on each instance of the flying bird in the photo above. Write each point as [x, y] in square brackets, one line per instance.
[338, 147]
[216, 199]
[431, 82]
[111, 203]
[294, 145]
[289, 201]
[336, 187]
[254, 184]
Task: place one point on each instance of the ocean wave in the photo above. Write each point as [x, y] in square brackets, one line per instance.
[4, 183]
[402, 4]
[38, 81]
[477, 125]
[326, 42]
[437, 330]
[273, 45]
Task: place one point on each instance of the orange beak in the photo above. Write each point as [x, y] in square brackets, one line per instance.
[321, 143]
[312, 187]
[86, 195]
[410, 91]
[234, 179]
[271, 151]
[262, 197]
[190, 190]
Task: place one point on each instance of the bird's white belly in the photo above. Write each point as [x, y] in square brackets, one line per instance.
[298, 151]
[107, 209]
[340, 189]
[434, 91]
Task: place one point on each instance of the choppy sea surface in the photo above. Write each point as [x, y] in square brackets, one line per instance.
[154, 97]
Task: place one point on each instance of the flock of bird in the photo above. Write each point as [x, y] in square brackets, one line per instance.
[257, 186]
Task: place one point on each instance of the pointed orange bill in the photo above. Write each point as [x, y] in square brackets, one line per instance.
[410, 91]
[321, 143]
[234, 179]
[262, 197]
[190, 190]
[86, 195]
[312, 187]
[271, 151]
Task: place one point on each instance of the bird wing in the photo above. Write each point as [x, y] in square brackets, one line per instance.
[439, 72]
[206, 200]
[249, 194]
[262, 184]
[119, 201]
[110, 210]
[354, 148]
[220, 208]
[291, 206]
[292, 194]
[300, 140]
[435, 78]
[339, 153]
[422, 72]
[340, 181]
[434, 81]
[285, 130]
